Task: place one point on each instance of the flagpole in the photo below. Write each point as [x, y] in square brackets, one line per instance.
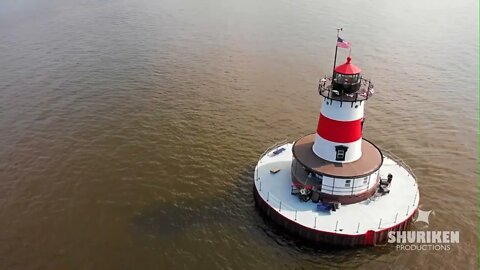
[336, 49]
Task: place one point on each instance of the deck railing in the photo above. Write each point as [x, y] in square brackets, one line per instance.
[293, 213]
[268, 150]
[399, 161]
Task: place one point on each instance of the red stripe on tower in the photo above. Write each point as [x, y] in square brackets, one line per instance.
[339, 131]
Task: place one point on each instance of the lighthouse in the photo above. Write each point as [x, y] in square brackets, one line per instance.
[334, 186]
[342, 166]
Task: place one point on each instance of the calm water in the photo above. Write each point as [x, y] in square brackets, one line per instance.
[129, 129]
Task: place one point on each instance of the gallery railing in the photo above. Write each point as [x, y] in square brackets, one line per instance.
[299, 216]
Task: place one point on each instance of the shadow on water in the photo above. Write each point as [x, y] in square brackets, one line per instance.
[169, 218]
[188, 212]
[235, 206]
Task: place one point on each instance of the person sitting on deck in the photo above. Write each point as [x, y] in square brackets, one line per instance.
[387, 182]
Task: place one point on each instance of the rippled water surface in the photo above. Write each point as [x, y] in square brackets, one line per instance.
[129, 130]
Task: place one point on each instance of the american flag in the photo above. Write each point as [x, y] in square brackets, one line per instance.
[342, 43]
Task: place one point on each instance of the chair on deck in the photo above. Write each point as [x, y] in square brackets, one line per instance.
[385, 184]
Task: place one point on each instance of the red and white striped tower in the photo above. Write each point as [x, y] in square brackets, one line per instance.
[339, 130]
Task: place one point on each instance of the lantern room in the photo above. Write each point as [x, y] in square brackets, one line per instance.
[346, 78]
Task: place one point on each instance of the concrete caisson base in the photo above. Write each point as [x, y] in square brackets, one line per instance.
[370, 238]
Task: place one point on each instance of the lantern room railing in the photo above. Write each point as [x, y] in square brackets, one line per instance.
[326, 89]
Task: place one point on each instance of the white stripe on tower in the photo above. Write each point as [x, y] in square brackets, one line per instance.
[346, 112]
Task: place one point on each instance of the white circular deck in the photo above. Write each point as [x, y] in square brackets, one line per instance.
[376, 214]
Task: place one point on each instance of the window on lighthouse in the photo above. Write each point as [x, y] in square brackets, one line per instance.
[340, 152]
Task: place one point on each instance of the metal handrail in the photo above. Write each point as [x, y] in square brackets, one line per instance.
[363, 93]
[280, 205]
[399, 160]
[282, 142]
[265, 152]
[273, 147]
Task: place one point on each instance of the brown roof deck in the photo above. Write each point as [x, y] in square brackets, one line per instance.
[368, 163]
